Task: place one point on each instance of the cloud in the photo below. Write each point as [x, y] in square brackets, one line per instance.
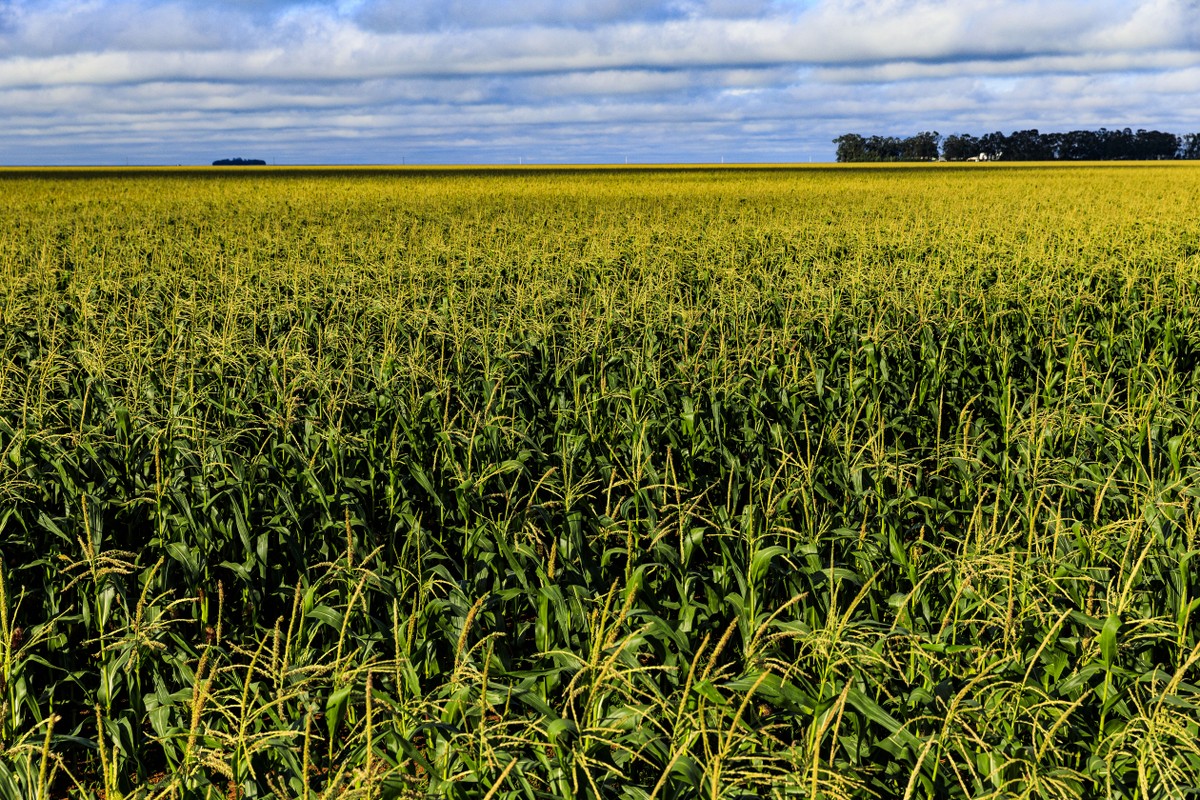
[469, 80]
[424, 15]
[474, 36]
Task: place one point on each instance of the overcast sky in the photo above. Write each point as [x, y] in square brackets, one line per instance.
[551, 81]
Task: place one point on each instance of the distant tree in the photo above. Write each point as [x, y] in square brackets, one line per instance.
[1190, 146]
[851, 147]
[1080, 146]
[960, 147]
[1028, 146]
[885, 148]
[1051, 145]
[1156, 145]
[239, 162]
[993, 145]
[922, 147]
[1121, 145]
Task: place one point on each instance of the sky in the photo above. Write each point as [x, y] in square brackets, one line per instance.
[572, 81]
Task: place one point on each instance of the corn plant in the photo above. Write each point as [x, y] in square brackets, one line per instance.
[674, 483]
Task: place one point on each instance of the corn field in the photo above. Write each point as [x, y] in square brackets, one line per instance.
[641, 484]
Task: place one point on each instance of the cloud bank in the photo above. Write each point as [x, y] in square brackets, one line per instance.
[479, 81]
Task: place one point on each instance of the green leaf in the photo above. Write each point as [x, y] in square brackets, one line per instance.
[761, 561]
[335, 710]
[1108, 638]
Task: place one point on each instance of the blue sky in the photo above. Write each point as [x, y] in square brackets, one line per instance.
[554, 81]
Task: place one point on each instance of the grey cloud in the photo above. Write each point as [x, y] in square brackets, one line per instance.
[1040, 66]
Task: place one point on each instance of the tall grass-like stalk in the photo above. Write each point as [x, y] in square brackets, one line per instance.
[669, 483]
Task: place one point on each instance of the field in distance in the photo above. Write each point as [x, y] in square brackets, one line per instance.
[635, 482]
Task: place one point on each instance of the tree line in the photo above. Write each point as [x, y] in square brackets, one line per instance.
[1029, 145]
